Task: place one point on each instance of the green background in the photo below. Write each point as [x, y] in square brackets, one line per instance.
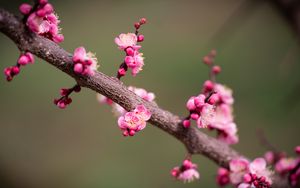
[82, 147]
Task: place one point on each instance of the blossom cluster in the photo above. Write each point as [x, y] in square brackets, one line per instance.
[120, 111]
[212, 108]
[84, 63]
[65, 99]
[134, 121]
[285, 165]
[133, 60]
[24, 59]
[42, 20]
[245, 174]
[187, 172]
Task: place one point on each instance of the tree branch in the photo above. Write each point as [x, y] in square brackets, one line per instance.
[195, 141]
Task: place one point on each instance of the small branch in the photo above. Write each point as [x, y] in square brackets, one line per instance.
[195, 141]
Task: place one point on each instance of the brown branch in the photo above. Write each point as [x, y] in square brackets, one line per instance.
[195, 141]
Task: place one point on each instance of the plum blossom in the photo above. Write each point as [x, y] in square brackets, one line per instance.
[133, 60]
[187, 172]
[225, 94]
[84, 63]
[127, 40]
[42, 20]
[212, 108]
[134, 121]
[238, 167]
[259, 176]
[285, 165]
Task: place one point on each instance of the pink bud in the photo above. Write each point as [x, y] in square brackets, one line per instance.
[125, 133]
[15, 70]
[41, 13]
[137, 25]
[25, 8]
[190, 105]
[122, 72]
[208, 85]
[255, 183]
[187, 164]
[140, 38]
[247, 178]
[78, 68]
[223, 171]
[7, 71]
[143, 21]
[131, 133]
[68, 101]
[48, 8]
[58, 38]
[263, 178]
[77, 88]
[9, 78]
[207, 60]
[64, 92]
[186, 123]
[30, 57]
[200, 100]
[194, 116]
[42, 2]
[129, 60]
[23, 60]
[216, 69]
[297, 149]
[61, 105]
[174, 172]
[213, 53]
[129, 51]
[213, 99]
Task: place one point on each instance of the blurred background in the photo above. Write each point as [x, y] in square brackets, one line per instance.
[42, 146]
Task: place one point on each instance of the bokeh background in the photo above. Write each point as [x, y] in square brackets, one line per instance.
[42, 146]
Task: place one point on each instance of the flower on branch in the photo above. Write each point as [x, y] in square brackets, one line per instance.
[187, 172]
[134, 121]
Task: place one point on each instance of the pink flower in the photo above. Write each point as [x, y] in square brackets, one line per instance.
[259, 168]
[137, 64]
[134, 121]
[225, 94]
[207, 116]
[43, 21]
[258, 175]
[187, 172]
[223, 123]
[285, 165]
[126, 40]
[238, 167]
[84, 63]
